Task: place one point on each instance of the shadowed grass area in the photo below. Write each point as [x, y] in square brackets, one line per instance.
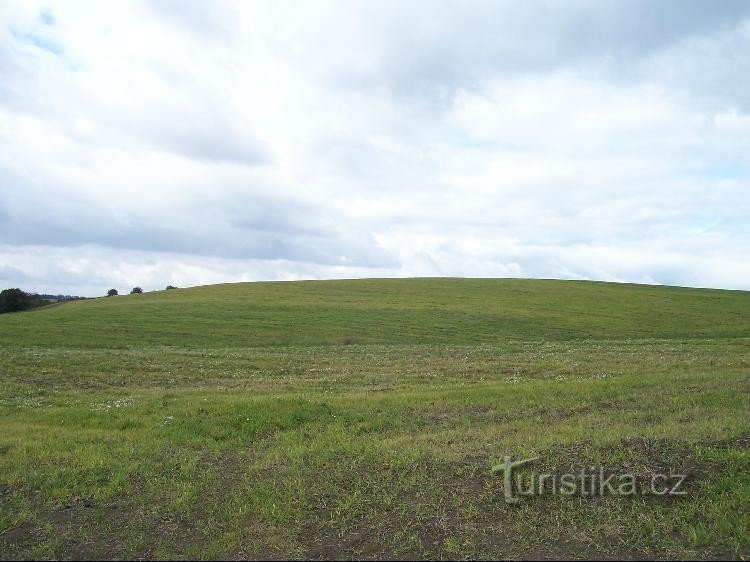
[126, 435]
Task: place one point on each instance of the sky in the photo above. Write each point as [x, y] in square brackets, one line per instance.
[188, 143]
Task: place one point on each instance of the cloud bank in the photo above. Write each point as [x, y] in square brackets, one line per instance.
[148, 143]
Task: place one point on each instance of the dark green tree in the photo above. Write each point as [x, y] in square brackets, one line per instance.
[112, 293]
[14, 300]
[136, 291]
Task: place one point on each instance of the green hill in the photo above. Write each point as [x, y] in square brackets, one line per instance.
[235, 422]
[384, 311]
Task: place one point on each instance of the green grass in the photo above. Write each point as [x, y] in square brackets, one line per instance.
[399, 311]
[361, 419]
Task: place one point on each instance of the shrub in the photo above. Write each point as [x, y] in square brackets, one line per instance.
[136, 291]
[170, 287]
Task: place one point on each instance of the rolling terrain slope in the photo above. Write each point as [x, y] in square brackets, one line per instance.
[394, 311]
[362, 418]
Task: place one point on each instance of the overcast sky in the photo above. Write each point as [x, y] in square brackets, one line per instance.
[149, 143]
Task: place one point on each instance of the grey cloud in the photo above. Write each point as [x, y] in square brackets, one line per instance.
[638, 27]
[231, 224]
[712, 68]
[198, 239]
[204, 136]
[197, 128]
[432, 49]
[10, 275]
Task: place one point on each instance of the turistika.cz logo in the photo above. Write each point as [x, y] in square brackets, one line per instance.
[593, 481]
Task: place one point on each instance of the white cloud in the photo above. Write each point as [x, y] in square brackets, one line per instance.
[151, 143]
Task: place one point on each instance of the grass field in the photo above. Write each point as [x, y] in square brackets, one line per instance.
[336, 419]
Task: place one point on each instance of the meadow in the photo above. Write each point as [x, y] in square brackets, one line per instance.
[361, 419]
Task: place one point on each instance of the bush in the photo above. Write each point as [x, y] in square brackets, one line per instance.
[170, 287]
[112, 293]
[136, 291]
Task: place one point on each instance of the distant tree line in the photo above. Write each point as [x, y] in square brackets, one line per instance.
[59, 298]
[134, 291]
[16, 300]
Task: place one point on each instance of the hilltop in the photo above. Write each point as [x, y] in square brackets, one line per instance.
[384, 311]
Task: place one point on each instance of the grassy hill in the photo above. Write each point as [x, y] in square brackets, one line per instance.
[384, 311]
[340, 419]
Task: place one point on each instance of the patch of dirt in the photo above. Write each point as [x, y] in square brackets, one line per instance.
[349, 341]
[464, 513]
[60, 526]
[473, 412]
[84, 529]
